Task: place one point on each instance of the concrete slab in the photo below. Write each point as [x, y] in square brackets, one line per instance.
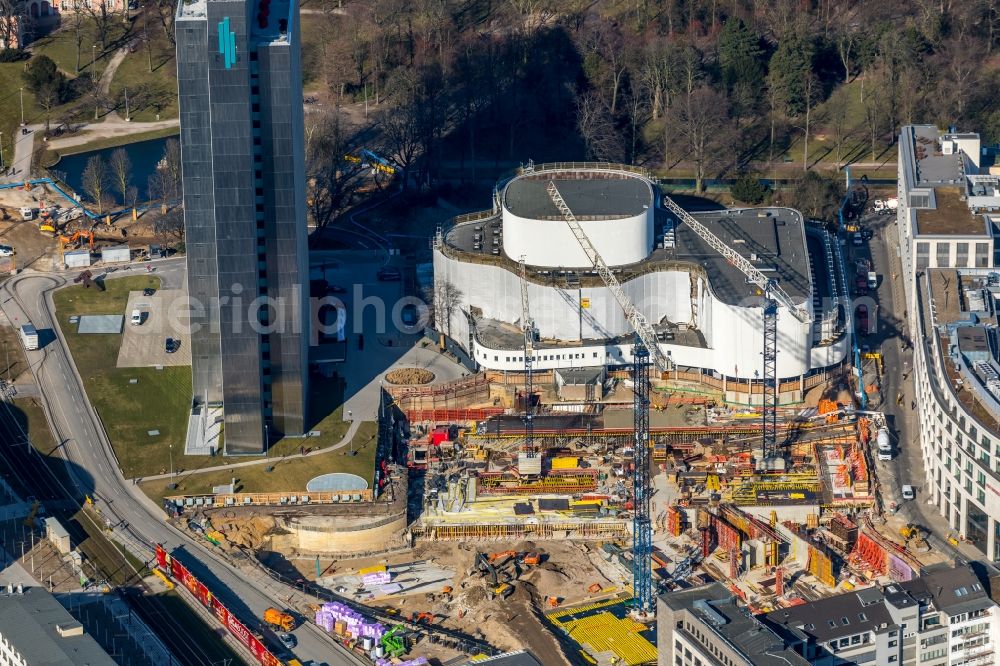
[163, 317]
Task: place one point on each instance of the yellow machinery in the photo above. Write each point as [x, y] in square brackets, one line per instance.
[30, 520]
[914, 536]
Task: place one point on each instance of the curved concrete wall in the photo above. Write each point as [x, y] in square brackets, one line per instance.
[552, 243]
[733, 334]
[326, 534]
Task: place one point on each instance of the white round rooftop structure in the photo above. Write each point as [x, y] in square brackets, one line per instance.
[614, 208]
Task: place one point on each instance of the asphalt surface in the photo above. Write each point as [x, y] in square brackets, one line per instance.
[93, 469]
[893, 340]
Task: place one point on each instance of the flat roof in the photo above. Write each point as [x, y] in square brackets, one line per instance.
[716, 607]
[775, 235]
[951, 217]
[933, 166]
[972, 339]
[600, 195]
[31, 622]
[497, 334]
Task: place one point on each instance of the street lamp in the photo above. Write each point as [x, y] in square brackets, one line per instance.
[171, 447]
[127, 118]
[22, 105]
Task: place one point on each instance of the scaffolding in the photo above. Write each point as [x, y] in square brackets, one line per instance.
[577, 529]
[569, 481]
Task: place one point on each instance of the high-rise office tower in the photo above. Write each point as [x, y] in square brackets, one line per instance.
[243, 160]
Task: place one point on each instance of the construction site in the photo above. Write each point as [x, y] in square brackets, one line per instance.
[553, 493]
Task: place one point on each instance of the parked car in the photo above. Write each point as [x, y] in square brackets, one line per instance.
[288, 640]
[909, 492]
[136, 317]
[862, 319]
[6, 251]
[148, 291]
[171, 345]
[857, 240]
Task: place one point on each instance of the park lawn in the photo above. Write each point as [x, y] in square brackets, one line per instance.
[289, 474]
[152, 95]
[10, 105]
[32, 420]
[160, 400]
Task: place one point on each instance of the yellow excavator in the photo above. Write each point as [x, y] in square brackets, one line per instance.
[914, 537]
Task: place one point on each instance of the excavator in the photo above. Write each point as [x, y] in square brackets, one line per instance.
[78, 236]
[914, 537]
[498, 589]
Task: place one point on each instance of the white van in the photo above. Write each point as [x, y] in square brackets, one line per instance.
[136, 317]
[909, 492]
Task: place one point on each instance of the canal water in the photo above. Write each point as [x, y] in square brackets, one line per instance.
[144, 156]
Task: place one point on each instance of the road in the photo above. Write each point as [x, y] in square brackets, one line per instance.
[897, 350]
[75, 426]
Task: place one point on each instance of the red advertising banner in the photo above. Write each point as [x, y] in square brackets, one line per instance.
[232, 624]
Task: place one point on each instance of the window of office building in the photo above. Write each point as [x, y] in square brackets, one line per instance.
[976, 525]
[982, 255]
[943, 252]
[961, 255]
[923, 255]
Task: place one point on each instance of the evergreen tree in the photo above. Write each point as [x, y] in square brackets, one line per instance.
[790, 69]
[740, 56]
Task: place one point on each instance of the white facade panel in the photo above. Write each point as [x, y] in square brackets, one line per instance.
[552, 243]
[77, 259]
[734, 334]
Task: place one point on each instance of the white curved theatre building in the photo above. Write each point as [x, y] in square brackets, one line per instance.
[707, 318]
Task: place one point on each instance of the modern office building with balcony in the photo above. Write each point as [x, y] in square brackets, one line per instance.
[948, 221]
[242, 154]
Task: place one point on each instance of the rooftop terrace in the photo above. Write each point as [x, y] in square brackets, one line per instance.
[600, 195]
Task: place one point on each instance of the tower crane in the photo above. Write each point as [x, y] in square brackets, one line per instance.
[644, 349]
[528, 326]
[773, 295]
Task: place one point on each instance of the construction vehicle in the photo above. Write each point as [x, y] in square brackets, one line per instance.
[505, 554]
[279, 619]
[393, 642]
[426, 618]
[533, 559]
[885, 206]
[36, 507]
[78, 236]
[502, 591]
[914, 537]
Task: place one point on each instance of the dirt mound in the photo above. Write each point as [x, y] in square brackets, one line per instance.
[409, 376]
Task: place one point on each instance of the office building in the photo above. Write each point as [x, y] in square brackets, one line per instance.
[35, 629]
[943, 618]
[705, 626]
[242, 154]
[947, 224]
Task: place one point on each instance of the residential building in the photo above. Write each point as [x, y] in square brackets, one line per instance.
[947, 223]
[35, 629]
[242, 156]
[943, 618]
[705, 626]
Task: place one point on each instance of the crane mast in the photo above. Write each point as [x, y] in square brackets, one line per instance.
[636, 319]
[529, 351]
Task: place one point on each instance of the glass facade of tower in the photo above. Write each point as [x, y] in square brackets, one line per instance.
[242, 155]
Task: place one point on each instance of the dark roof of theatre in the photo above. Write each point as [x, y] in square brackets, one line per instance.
[598, 196]
[835, 617]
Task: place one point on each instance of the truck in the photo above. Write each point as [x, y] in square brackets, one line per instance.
[29, 337]
[872, 279]
[883, 444]
[279, 619]
[885, 206]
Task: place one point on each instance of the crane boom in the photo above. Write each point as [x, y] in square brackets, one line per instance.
[529, 351]
[637, 320]
[755, 276]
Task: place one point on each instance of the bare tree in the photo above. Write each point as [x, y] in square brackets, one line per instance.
[596, 126]
[165, 11]
[95, 181]
[170, 225]
[165, 182]
[702, 120]
[103, 18]
[121, 172]
[811, 88]
[447, 298]
[837, 109]
[333, 169]
[874, 113]
[79, 35]
[13, 15]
